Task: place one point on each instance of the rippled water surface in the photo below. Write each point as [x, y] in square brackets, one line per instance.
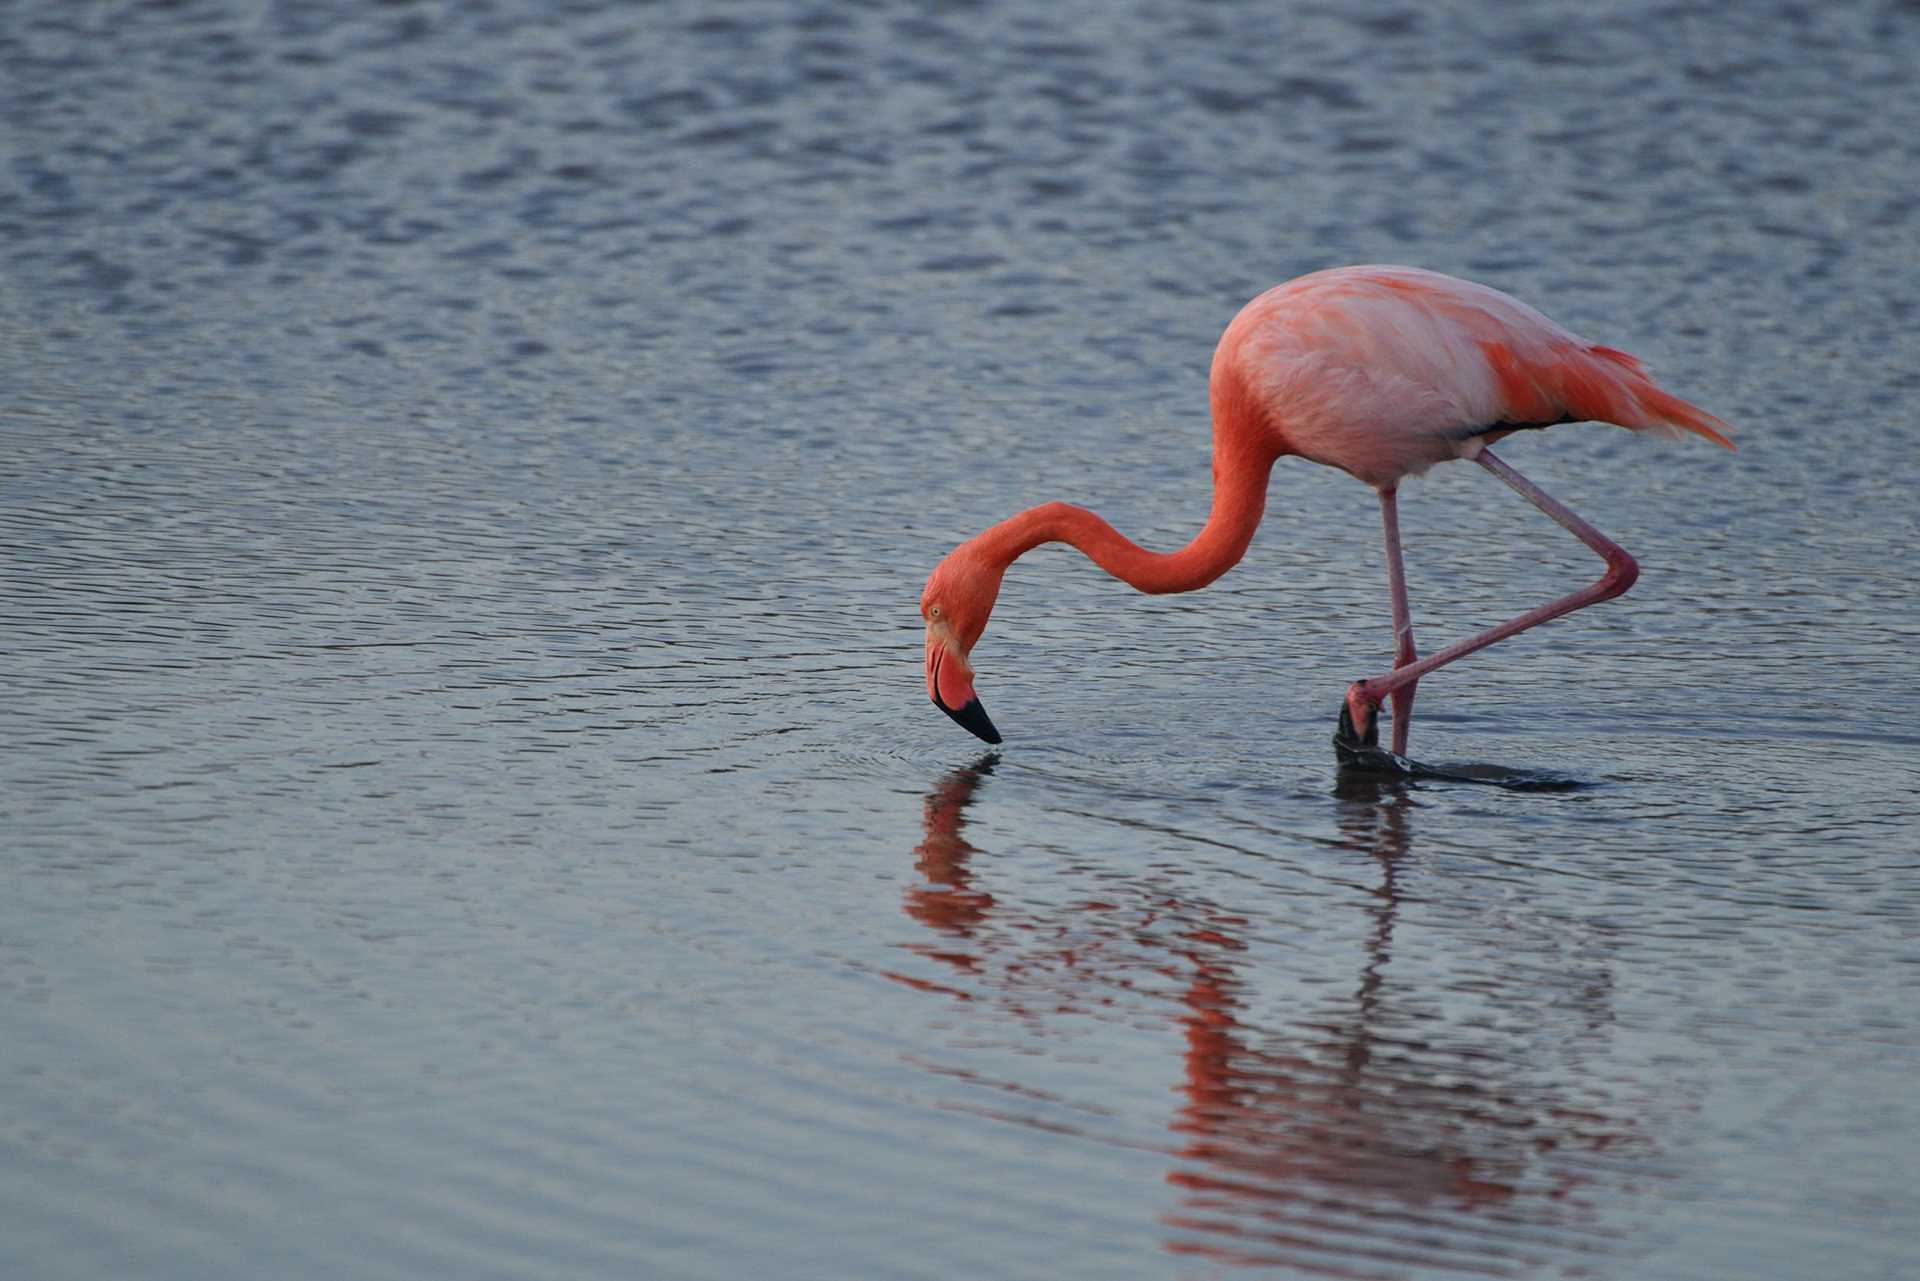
[470, 804]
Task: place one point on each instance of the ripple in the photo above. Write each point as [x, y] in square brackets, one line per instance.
[467, 474]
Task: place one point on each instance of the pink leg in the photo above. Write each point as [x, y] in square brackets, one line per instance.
[1364, 697]
[1403, 650]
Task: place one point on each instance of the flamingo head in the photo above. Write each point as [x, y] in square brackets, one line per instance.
[957, 602]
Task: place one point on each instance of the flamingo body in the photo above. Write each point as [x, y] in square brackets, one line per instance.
[1385, 371]
[1379, 371]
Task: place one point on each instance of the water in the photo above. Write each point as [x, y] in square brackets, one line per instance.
[471, 808]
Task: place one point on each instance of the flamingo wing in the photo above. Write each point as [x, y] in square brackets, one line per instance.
[1384, 371]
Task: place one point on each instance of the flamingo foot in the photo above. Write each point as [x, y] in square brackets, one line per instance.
[1360, 717]
[1356, 741]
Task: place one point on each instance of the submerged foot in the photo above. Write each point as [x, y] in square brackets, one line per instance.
[1359, 748]
[1359, 753]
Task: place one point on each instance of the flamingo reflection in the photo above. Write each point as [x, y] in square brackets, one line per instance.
[1347, 1142]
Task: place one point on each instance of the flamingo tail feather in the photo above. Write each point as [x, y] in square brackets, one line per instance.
[1594, 384]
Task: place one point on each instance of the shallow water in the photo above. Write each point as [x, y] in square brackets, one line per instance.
[471, 806]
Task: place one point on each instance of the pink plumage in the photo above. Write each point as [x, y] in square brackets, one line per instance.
[1385, 371]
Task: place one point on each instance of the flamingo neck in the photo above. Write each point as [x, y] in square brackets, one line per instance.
[1239, 500]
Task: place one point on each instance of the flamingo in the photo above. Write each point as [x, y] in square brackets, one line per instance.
[1382, 372]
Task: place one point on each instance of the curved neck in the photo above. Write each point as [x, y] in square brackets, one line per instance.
[1239, 499]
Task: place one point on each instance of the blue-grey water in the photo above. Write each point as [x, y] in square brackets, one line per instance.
[470, 804]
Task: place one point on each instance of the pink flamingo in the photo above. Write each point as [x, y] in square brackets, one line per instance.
[1381, 372]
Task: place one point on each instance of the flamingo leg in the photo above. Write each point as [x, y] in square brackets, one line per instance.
[1364, 697]
[1403, 649]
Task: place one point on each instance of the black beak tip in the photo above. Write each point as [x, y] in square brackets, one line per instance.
[972, 717]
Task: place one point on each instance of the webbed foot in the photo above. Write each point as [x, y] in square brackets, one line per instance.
[1356, 740]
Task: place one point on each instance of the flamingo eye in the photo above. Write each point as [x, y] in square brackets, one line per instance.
[933, 611]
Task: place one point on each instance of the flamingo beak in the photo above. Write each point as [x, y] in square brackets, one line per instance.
[950, 685]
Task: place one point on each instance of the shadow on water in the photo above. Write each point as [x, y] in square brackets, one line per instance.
[1358, 762]
[1352, 1138]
